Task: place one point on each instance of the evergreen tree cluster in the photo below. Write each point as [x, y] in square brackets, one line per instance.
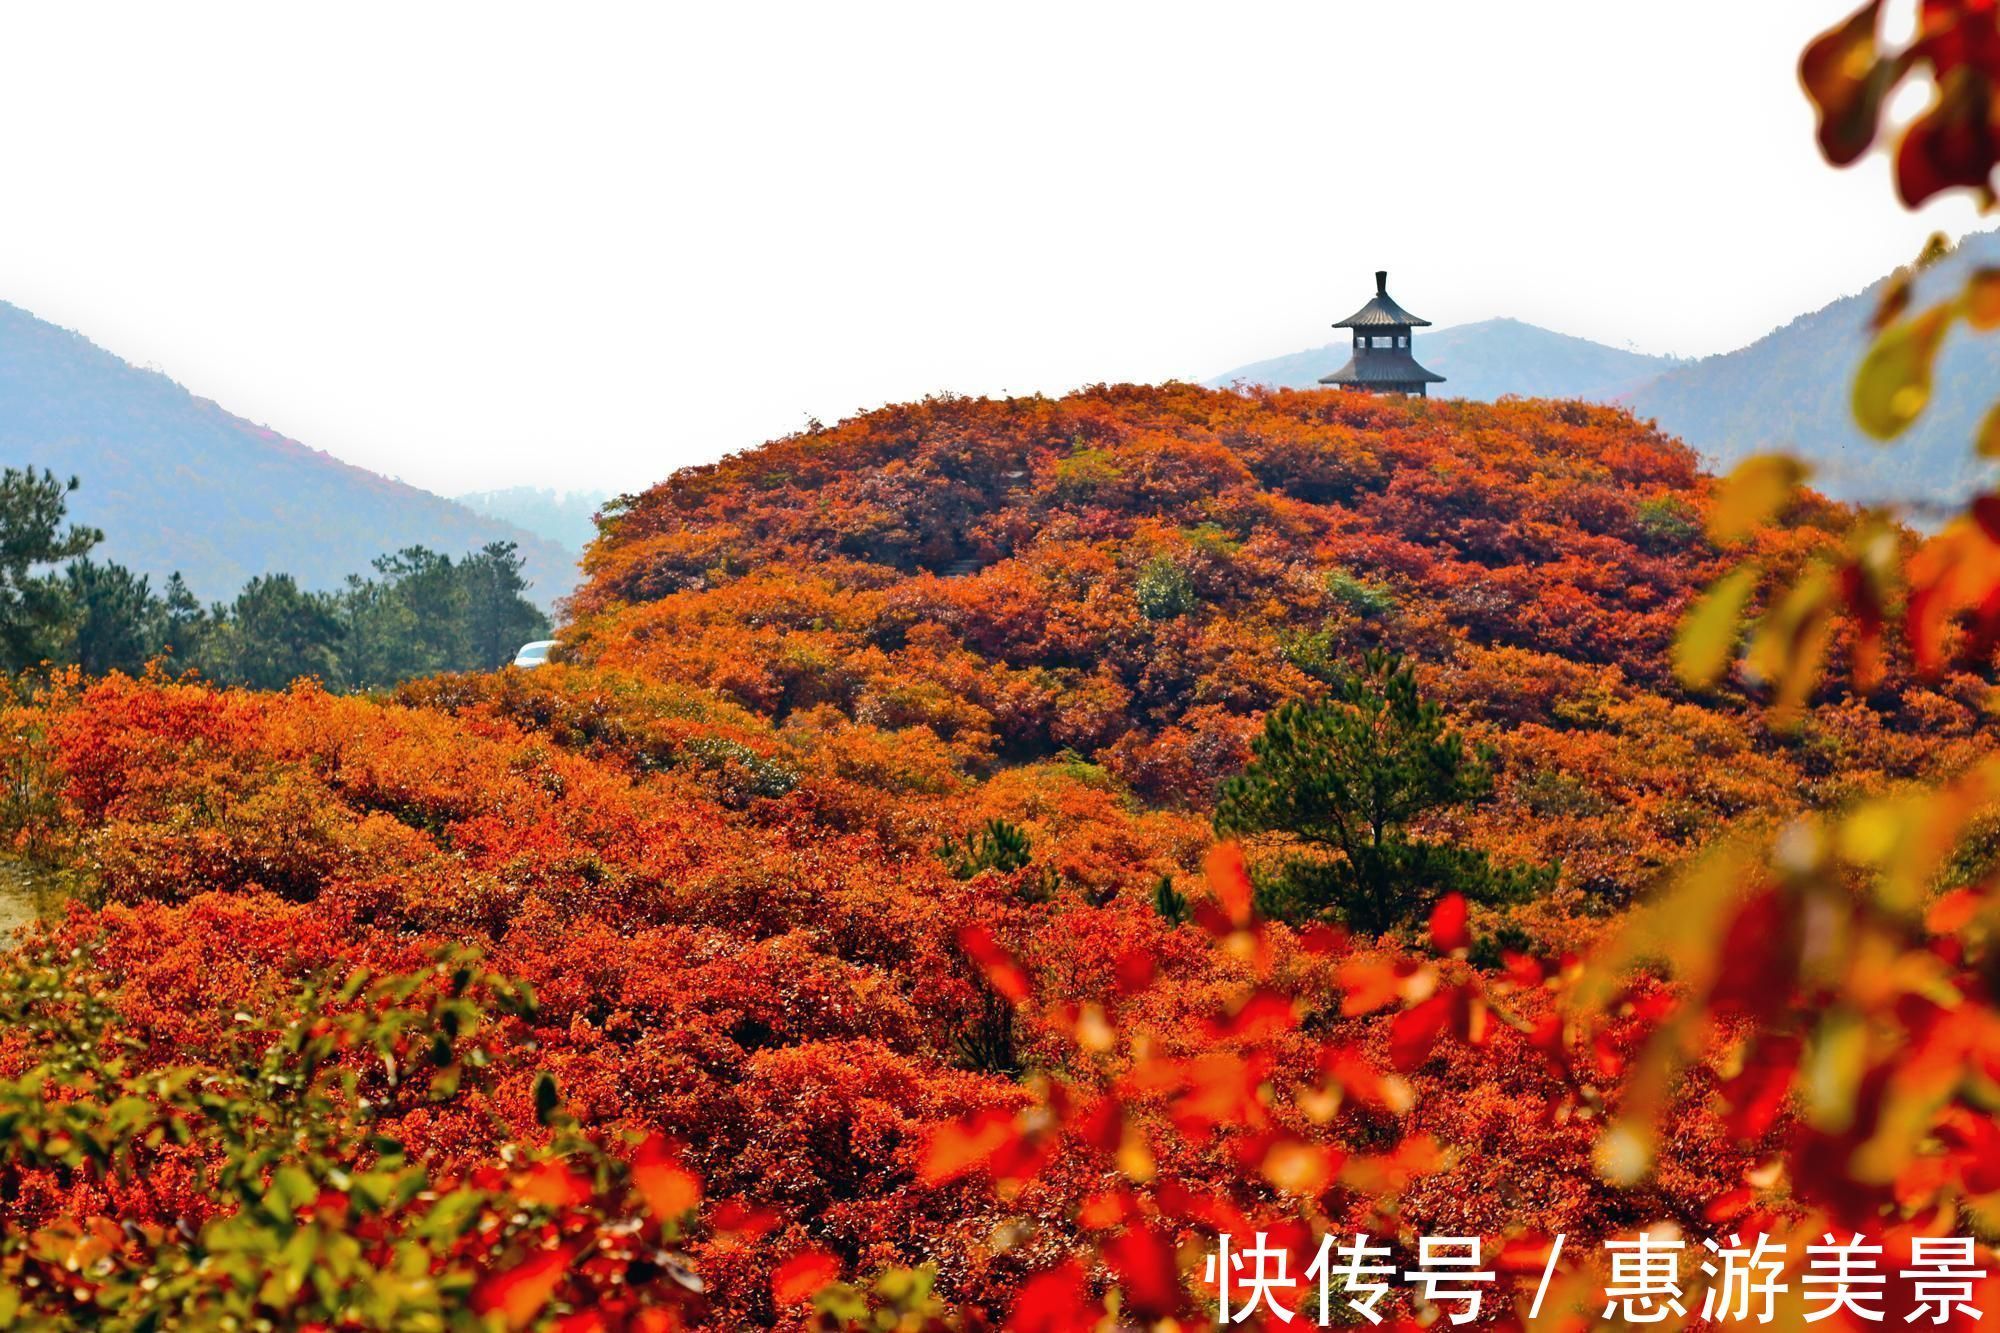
[419, 613]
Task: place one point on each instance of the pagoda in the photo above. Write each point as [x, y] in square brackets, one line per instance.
[1382, 362]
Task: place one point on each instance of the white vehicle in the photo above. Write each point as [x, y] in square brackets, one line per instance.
[536, 654]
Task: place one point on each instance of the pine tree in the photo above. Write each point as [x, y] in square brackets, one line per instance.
[33, 605]
[114, 621]
[499, 617]
[1346, 777]
[275, 632]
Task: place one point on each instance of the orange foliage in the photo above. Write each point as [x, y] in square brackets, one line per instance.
[709, 844]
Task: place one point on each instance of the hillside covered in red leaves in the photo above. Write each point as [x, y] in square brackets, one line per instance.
[710, 843]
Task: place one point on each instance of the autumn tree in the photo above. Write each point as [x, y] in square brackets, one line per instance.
[1346, 777]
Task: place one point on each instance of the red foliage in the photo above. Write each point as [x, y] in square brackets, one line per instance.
[709, 845]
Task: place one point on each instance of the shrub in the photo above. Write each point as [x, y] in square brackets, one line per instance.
[1164, 589]
[1364, 597]
[999, 846]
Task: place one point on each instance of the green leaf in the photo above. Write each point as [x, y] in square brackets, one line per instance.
[1893, 385]
[1709, 632]
[548, 1100]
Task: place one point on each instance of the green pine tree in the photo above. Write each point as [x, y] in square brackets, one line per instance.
[274, 633]
[1345, 778]
[34, 606]
[114, 621]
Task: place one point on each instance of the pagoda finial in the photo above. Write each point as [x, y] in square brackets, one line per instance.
[1381, 282]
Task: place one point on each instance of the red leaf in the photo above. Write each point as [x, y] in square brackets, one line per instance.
[553, 1185]
[1134, 970]
[1448, 932]
[520, 1294]
[1524, 1255]
[1924, 624]
[735, 1217]
[1522, 969]
[998, 966]
[1265, 1014]
[1368, 983]
[967, 1144]
[1055, 1302]
[1229, 878]
[1843, 75]
[1951, 145]
[663, 1181]
[1950, 914]
[1760, 955]
[1323, 940]
[1110, 1208]
[1729, 1206]
[1756, 1095]
[1148, 1274]
[803, 1276]
[1416, 1031]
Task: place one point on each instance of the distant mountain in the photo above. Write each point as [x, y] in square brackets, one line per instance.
[1483, 361]
[176, 483]
[564, 517]
[1790, 390]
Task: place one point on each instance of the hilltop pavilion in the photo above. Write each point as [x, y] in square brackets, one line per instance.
[1382, 362]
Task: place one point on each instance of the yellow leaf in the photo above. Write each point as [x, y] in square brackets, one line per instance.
[1790, 644]
[1894, 383]
[1708, 632]
[1981, 300]
[1989, 433]
[1624, 1154]
[1831, 1079]
[1752, 495]
[1870, 835]
[1301, 1168]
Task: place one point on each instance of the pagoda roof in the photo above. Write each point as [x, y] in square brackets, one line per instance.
[1382, 313]
[1383, 366]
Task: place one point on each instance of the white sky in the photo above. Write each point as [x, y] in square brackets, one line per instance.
[582, 244]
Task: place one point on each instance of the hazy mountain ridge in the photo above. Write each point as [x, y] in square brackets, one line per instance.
[567, 518]
[1482, 361]
[1790, 390]
[178, 483]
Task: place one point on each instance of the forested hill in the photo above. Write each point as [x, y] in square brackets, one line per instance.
[1791, 390]
[177, 483]
[1481, 361]
[1134, 575]
[862, 726]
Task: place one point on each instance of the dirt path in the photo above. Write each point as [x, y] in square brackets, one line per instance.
[25, 891]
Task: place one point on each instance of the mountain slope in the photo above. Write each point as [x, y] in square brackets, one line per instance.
[1790, 390]
[564, 517]
[177, 483]
[1482, 361]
